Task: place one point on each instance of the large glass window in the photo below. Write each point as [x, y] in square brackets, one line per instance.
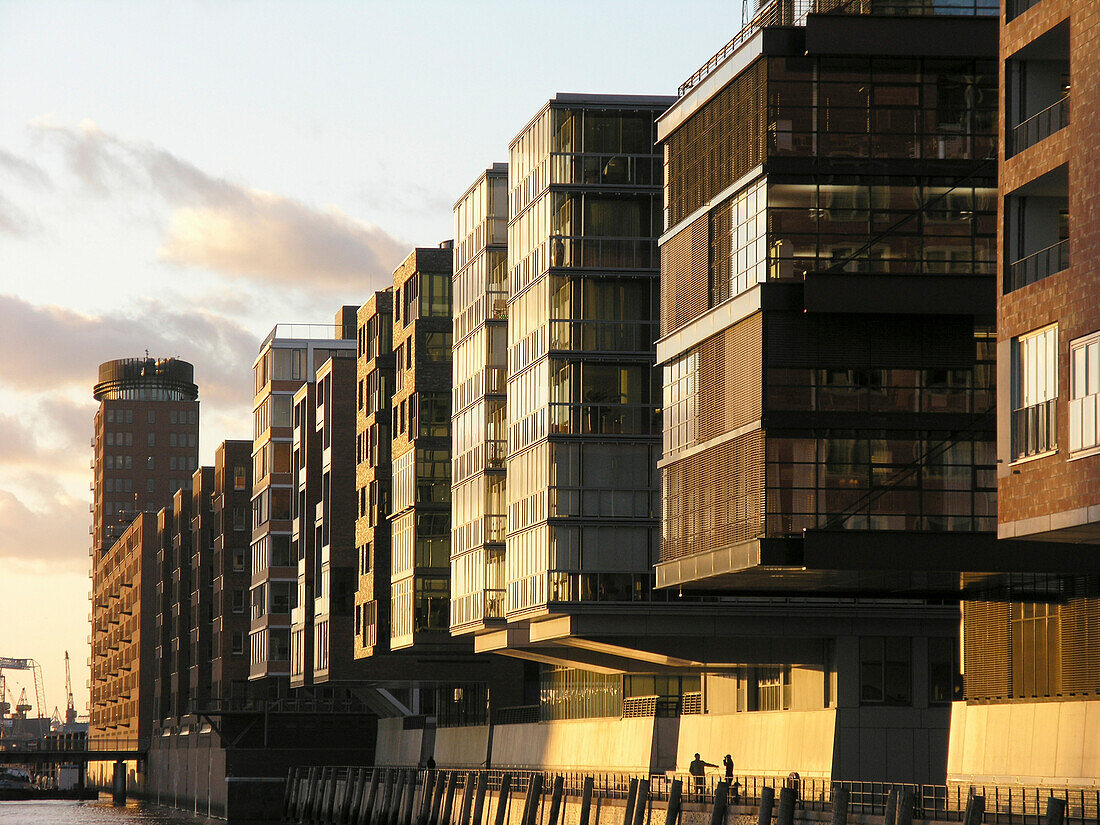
[885, 670]
[1035, 393]
[1084, 378]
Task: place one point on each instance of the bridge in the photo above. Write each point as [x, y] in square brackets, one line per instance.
[51, 751]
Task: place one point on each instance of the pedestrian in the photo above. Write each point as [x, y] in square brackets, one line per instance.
[727, 763]
[698, 770]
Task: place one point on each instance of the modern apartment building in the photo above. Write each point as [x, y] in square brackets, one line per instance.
[421, 451]
[200, 604]
[373, 472]
[480, 420]
[1032, 656]
[232, 498]
[124, 610]
[827, 341]
[145, 441]
[171, 690]
[288, 358]
[323, 457]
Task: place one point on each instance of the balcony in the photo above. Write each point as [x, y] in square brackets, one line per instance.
[1039, 126]
[1038, 265]
[1014, 8]
[1035, 429]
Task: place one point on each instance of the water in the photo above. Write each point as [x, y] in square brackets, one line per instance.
[94, 813]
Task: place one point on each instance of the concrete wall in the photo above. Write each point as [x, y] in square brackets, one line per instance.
[397, 746]
[1026, 743]
[892, 744]
[579, 744]
[462, 747]
[766, 742]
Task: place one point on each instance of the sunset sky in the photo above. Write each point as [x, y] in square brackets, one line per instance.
[179, 177]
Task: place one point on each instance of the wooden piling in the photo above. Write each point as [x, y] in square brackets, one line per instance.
[840, 806]
[531, 804]
[479, 797]
[675, 793]
[891, 807]
[785, 815]
[363, 813]
[406, 817]
[1056, 811]
[467, 798]
[721, 796]
[641, 802]
[767, 802]
[975, 810]
[502, 799]
[906, 803]
[437, 798]
[631, 799]
[555, 800]
[586, 800]
[449, 799]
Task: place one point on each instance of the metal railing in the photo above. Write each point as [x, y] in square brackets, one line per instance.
[1035, 429]
[1014, 8]
[1039, 126]
[1004, 805]
[795, 12]
[1038, 265]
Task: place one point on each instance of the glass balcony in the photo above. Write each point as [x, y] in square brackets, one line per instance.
[1038, 265]
[1014, 8]
[1035, 429]
[1040, 126]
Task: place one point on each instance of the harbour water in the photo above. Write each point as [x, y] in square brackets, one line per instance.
[94, 813]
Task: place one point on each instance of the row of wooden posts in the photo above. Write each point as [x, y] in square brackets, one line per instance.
[389, 796]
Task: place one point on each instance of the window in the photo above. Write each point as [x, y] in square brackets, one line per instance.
[943, 669]
[1084, 380]
[238, 601]
[1035, 393]
[885, 670]
[238, 642]
[152, 418]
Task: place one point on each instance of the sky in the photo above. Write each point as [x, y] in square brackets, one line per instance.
[178, 177]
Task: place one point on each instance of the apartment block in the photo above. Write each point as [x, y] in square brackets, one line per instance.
[124, 611]
[171, 690]
[480, 420]
[199, 606]
[289, 357]
[230, 575]
[373, 473]
[305, 459]
[421, 451]
[145, 442]
[1032, 659]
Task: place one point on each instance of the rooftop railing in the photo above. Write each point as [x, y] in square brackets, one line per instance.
[1039, 126]
[795, 12]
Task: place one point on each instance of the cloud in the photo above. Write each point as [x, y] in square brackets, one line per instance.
[44, 538]
[233, 230]
[13, 220]
[23, 169]
[43, 347]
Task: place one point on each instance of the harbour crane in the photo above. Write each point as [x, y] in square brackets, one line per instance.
[70, 706]
[36, 671]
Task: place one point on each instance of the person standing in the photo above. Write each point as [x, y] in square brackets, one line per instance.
[727, 763]
[698, 770]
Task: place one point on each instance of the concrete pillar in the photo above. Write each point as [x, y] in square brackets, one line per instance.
[118, 784]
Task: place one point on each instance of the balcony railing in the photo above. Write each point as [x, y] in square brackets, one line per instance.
[1039, 126]
[1014, 8]
[1038, 265]
[1035, 429]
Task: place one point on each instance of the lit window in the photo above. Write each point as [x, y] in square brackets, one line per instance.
[1084, 379]
[1035, 393]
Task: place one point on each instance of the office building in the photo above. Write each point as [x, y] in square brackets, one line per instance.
[373, 471]
[1032, 655]
[480, 420]
[289, 357]
[145, 441]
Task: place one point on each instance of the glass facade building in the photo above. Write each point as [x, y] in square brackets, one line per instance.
[584, 207]
[480, 419]
[420, 571]
[816, 197]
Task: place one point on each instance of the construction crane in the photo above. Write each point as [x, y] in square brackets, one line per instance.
[70, 706]
[36, 671]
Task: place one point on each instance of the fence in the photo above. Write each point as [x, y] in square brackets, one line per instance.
[387, 796]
